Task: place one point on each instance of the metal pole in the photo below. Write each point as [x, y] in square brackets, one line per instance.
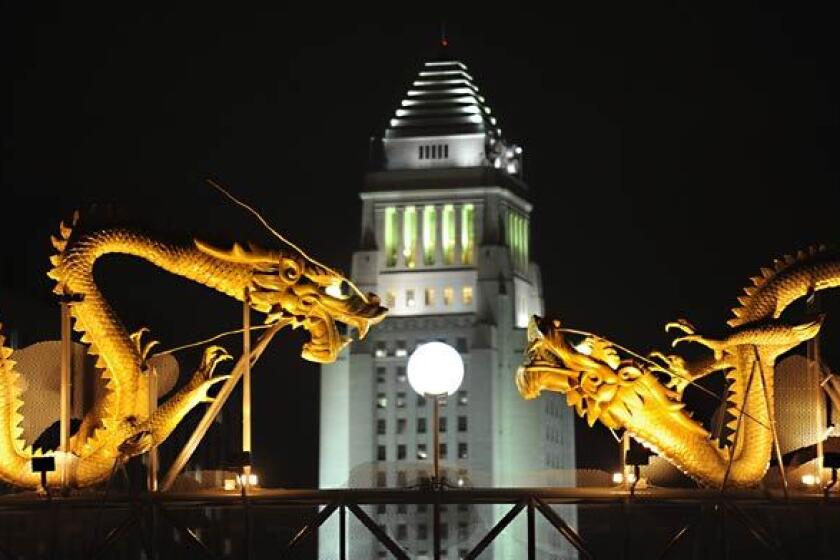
[246, 384]
[625, 447]
[436, 522]
[771, 412]
[437, 482]
[214, 408]
[815, 372]
[65, 391]
[152, 470]
[436, 436]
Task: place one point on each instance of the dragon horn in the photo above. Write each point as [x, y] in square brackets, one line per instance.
[238, 254]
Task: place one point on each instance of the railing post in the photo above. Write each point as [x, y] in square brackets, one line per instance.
[532, 531]
[342, 532]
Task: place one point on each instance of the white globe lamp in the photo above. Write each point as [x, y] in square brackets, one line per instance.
[435, 369]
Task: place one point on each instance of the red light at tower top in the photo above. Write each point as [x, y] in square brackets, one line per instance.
[444, 42]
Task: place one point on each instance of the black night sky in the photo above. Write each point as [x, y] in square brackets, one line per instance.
[670, 152]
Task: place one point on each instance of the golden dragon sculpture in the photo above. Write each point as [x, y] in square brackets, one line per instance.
[285, 285]
[628, 393]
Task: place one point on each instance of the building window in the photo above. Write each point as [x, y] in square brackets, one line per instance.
[380, 454]
[421, 425]
[401, 374]
[381, 509]
[461, 344]
[402, 481]
[463, 531]
[381, 481]
[391, 234]
[462, 450]
[409, 298]
[446, 151]
[429, 234]
[442, 424]
[421, 400]
[423, 508]
[421, 451]
[422, 532]
[381, 349]
[467, 234]
[448, 296]
[380, 374]
[381, 426]
[467, 295]
[401, 508]
[444, 531]
[462, 423]
[463, 398]
[430, 296]
[390, 299]
[401, 424]
[381, 400]
[419, 152]
[448, 234]
[402, 531]
[400, 402]
[442, 450]
[409, 235]
[401, 452]
[402, 351]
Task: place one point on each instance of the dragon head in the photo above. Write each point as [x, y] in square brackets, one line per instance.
[288, 286]
[596, 381]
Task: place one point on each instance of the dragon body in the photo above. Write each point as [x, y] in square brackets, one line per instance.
[286, 285]
[629, 393]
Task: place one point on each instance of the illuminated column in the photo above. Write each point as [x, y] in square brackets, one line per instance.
[390, 230]
[418, 236]
[448, 236]
[398, 220]
[438, 234]
[430, 235]
[509, 235]
[468, 234]
[526, 246]
[458, 226]
[409, 233]
[520, 240]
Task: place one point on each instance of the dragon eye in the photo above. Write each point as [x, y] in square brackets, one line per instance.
[338, 290]
[290, 270]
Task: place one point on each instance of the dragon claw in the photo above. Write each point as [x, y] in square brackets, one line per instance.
[528, 384]
[680, 325]
[213, 356]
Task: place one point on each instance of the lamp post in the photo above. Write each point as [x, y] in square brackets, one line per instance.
[435, 370]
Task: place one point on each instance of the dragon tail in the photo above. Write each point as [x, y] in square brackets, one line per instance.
[15, 455]
[791, 277]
